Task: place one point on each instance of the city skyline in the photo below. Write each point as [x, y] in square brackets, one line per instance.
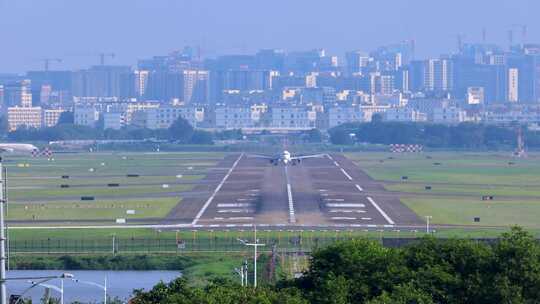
[339, 28]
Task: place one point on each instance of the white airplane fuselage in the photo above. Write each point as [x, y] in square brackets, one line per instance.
[17, 148]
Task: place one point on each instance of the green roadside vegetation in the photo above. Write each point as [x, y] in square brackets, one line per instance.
[364, 272]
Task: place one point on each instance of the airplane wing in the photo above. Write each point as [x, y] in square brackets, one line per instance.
[300, 157]
[260, 156]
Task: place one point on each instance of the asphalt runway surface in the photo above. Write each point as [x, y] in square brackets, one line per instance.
[320, 192]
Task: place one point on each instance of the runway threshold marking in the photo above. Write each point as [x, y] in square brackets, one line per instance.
[211, 198]
[292, 217]
[386, 217]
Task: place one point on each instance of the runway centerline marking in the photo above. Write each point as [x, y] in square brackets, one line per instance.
[346, 174]
[292, 217]
[211, 198]
[386, 217]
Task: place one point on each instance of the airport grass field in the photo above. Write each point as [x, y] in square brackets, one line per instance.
[450, 186]
[102, 186]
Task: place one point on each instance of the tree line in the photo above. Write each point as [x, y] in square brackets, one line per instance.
[180, 131]
[462, 136]
[363, 271]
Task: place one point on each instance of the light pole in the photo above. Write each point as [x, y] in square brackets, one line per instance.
[255, 245]
[53, 287]
[428, 217]
[103, 287]
[3, 293]
[40, 282]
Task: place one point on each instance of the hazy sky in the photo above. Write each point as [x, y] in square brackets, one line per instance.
[76, 30]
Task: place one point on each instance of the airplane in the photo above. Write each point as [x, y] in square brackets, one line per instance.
[17, 148]
[286, 158]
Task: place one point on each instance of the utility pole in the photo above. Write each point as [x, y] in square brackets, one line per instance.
[255, 245]
[3, 293]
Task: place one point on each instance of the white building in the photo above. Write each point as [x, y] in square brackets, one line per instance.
[164, 117]
[238, 117]
[404, 114]
[340, 115]
[51, 117]
[292, 118]
[449, 115]
[85, 116]
[24, 117]
[113, 120]
[475, 95]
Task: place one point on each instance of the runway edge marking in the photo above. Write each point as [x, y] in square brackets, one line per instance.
[346, 174]
[211, 198]
[388, 219]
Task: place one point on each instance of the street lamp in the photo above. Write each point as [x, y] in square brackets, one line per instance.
[428, 217]
[103, 287]
[53, 287]
[41, 281]
[255, 245]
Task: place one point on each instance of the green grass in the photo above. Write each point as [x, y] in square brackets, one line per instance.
[455, 168]
[477, 190]
[18, 182]
[458, 181]
[105, 210]
[49, 194]
[35, 192]
[461, 211]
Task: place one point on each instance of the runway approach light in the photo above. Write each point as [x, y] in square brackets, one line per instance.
[190, 168]
[91, 170]
[179, 176]
[103, 164]
[165, 186]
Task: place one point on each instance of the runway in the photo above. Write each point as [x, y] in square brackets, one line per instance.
[320, 192]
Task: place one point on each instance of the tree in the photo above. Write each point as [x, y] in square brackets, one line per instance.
[181, 130]
[403, 294]
[66, 117]
[314, 136]
[200, 137]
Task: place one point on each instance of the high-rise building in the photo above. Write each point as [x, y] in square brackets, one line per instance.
[196, 86]
[356, 61]
[249, 80]
[18, 94]
[100, 81]
[164, 86]
[438, 75]
[513, 85]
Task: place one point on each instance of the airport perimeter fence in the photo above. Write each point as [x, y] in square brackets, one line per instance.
[119, 245]
[125, 245]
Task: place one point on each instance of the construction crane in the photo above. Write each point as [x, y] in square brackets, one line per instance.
[102, 57]
[47, 62]
[460, 38]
